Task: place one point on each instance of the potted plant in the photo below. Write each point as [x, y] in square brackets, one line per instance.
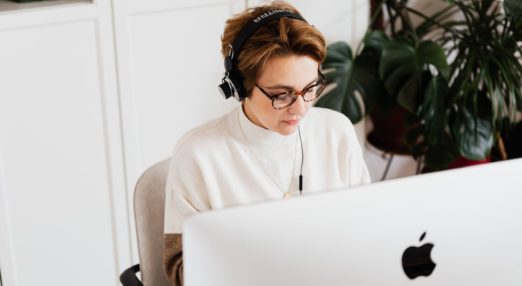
[453, 110]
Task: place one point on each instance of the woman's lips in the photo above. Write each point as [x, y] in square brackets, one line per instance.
[291, 122]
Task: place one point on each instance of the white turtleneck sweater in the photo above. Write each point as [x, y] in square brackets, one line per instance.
[231, 161]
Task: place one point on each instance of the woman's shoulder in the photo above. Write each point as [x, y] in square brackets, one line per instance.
[204, 136]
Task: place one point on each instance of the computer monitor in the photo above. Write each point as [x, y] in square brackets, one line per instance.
[457, 227]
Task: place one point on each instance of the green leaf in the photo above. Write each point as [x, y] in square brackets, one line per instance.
[430, 53]
[398, 69]
[403, 69]
[474, 135]
[339, 58]
[433, 109]
[408, 96]
[396, 53]
[513, 8]
[375, 40]
[439, 156]
[349, 77]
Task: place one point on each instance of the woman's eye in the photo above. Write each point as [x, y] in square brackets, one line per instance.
[312, 89]
[283, 96]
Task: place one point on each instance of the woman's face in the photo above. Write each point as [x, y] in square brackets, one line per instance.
[281, 74]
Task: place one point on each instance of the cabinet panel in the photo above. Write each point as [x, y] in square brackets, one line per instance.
[169, 65]
[176, 73]
[54, 158]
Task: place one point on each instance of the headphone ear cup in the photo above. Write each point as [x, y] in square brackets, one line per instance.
[232, 85]
[227, 87]
[236, 81]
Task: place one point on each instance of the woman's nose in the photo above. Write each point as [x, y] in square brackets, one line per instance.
[298, 107]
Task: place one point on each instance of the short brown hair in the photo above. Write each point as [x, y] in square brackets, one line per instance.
[281, 37]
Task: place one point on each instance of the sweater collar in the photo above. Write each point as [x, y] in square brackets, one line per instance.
[264, 139]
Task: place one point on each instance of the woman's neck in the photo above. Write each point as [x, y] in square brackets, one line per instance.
[250, 114]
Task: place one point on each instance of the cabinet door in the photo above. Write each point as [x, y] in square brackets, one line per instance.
[58, 172]
[169, 66]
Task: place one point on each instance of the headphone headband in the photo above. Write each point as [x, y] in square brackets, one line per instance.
[232, 83]
[255, 24]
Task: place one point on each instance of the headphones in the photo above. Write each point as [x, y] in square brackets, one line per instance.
[232, 82]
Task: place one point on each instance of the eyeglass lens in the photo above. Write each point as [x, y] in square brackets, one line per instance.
[288, 98]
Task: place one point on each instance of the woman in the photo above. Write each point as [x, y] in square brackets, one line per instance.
[275, 145]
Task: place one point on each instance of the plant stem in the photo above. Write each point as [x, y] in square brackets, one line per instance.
[376, 14]
[391, 19]
[501, 147]
[438, 23]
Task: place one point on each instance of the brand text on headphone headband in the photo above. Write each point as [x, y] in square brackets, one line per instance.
[262, 16]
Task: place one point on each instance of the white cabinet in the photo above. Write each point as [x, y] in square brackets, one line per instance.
[169, 67]
[78, 124]
[91, 94]
[61, 170]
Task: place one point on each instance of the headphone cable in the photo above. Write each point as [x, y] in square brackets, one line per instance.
[302, 160]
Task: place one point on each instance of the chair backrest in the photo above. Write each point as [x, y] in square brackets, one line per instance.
[149, 212]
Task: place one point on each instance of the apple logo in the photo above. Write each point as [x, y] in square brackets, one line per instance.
[416, 261]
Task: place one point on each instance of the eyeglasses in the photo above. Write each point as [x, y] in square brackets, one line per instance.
[287, 98]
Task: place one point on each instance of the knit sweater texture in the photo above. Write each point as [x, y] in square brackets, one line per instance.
[230, 161]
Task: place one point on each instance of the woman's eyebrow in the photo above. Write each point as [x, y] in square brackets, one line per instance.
[282, 86]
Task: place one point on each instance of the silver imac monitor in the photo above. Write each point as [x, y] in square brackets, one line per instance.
[458, 227]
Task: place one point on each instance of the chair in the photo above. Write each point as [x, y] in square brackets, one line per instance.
[149, 212]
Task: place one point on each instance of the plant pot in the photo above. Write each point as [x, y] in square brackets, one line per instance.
[463, 162]
[389, 130]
